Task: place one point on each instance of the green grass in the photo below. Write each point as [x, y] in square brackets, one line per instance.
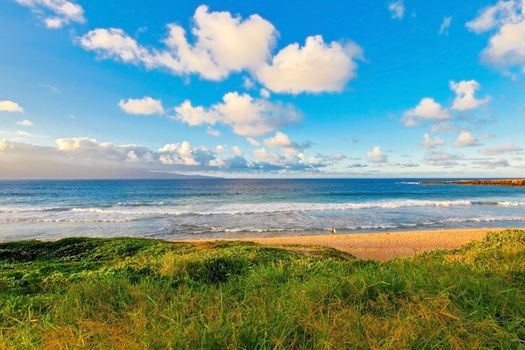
[137, 293]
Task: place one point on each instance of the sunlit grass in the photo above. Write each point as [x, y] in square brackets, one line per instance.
[133, 293]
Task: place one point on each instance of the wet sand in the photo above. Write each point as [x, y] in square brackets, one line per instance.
[383, 246]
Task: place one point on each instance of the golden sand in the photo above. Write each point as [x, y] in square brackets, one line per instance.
[382, 246]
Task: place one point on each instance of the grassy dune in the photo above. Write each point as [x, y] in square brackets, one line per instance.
[135, 293]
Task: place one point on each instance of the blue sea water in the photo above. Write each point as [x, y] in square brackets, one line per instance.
[204, 208]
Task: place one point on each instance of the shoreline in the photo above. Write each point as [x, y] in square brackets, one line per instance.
[382, 246]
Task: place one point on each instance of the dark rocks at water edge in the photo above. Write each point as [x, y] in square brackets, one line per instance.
[485, 182]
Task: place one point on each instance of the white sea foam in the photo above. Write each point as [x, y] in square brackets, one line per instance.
[313, 213]
[138, 211]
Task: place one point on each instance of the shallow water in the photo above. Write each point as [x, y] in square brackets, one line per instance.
[206, 208]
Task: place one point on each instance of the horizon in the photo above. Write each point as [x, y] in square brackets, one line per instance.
[356, 90]
[203, 177]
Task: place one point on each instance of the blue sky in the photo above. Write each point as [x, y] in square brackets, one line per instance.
[262, 88]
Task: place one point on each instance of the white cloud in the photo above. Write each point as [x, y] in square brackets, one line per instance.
[376, 156]
[183, 154]
[508, 148]
[217, 162]
[506, 47]
[142, 106]
[211, 131]
[491, 17]
[279, 140]
[88, 158]
[176, 153]
[247, 116]
[465, 139]
[236, 151]
[10, 106]
[397, 9]
[194, 116]
[223, 44]
[442, 159]
[220, 149]
[25, 122]
[492, 163]
[23, 133]
[430, 110]
[264, 93]
[465, 99]
[507, 19]
[252, 141]
[55, 13]
[283, 141]
[316, 67]
[445, 25]
[291, 158]
[427, 110]
[116, 44]
[248, 83]
[430, 143]
[91, 149]
[265, 155]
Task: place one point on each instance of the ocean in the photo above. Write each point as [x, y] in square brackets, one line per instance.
[220, 208]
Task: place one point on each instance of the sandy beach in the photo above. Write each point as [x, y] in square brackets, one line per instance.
[386, 245]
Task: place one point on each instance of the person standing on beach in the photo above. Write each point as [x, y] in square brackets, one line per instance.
[332, 230]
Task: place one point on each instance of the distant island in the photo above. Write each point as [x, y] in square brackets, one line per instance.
[485, 182]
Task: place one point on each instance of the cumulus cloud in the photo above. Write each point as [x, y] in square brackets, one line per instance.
[246, 116]
[176, 153]
[293, 162]
[316, 67]
[491, 17]
[236, 151]
[264, 93]
[508, 148]
[114, 43]
[253, 141]
[265, 155]
[492, 163]
[397, 9]
[211, 131]
[55, 13]
[223, 44]
[25, 122]
[88, 158]
[465, 95]
[220, 149]
[506, 19]
[430, 143]
[280, 140]
[465, 139]
[181, 155]
[427, 110]
[376, 156]
[284, 143]
[89, 148]
[82, 158]
[430, 110]
[10, 106]
[506, 47]
[442, 159]
[445, 25]
[142, 106]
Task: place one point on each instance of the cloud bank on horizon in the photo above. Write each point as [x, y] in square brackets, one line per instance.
[226, 91]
